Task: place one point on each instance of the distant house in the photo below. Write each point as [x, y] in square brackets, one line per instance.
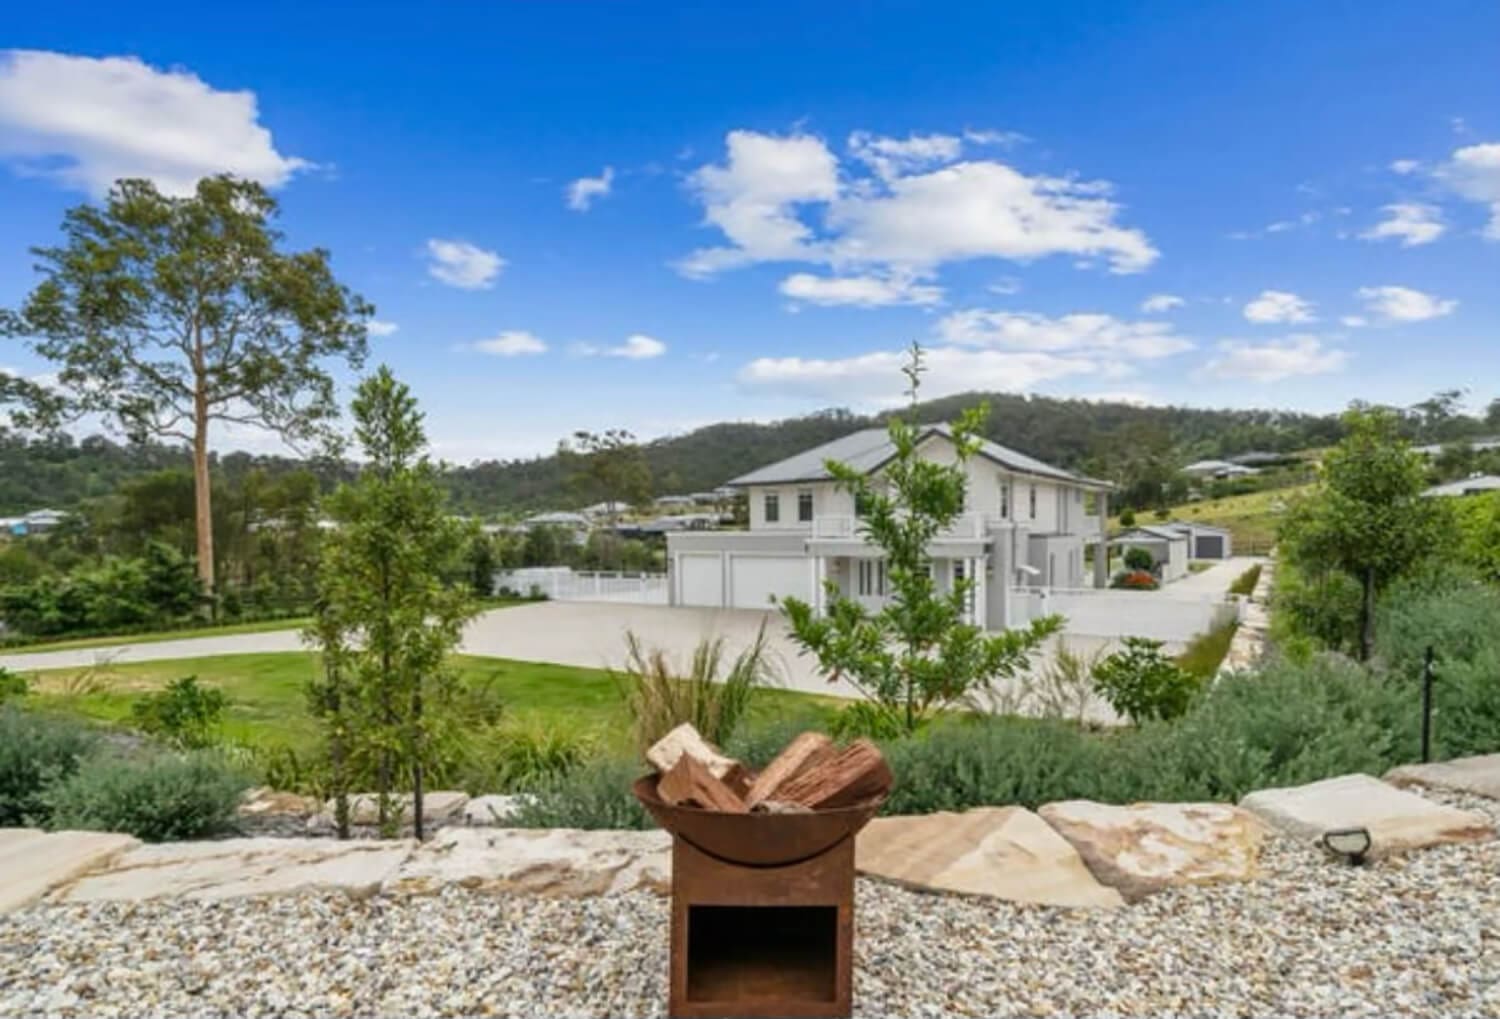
[675, 501]
[608, 508]
[1261, 458]
[1205, 541]
[1477, 445]
[1169, 548]
[1477, 485]
[577, 523]
[36, 522]
[1218, 469]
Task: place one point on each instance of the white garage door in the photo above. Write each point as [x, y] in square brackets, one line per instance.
[702, 581]
[754, 579]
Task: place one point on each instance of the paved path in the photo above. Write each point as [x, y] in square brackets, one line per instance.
[1215, 580]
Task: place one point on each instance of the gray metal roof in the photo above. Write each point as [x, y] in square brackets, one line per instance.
[869, 449]
[1162, 533]
[1466, 486]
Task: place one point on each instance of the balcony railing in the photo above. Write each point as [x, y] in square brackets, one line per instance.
[969, 526]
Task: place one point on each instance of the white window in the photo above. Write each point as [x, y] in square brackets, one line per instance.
[805, 506]
[1033, 502]
[872, 578]
[1004, 499]
[773, 507]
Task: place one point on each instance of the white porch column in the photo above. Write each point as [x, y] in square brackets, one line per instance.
[819, 570]
[1101, 551]
[981, 593]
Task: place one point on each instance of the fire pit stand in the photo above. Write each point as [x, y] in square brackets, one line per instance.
[762, 910]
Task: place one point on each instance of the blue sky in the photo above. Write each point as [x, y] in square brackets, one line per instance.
[658, 216]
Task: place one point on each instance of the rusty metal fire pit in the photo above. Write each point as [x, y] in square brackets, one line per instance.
[762, 909]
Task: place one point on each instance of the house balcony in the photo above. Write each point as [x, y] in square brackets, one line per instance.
[967, 527]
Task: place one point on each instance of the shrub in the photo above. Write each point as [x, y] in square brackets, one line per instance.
[958, 764]
[184, 714]
[36, 750]
[1205, 653]
[1137, 558]
[1245, 583]
[595, 795]
[1064, 689]
[1127, 518]
[1135, 580]
[865, 719]
[12, 686]
[658, 699]
[518, 756]
[1141, 682]
[162, 799]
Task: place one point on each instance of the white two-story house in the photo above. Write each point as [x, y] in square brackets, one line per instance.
[1025, 525]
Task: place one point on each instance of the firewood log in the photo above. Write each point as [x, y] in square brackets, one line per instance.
[689, 782]
[685, 740]
[856, 774]
[802, 754]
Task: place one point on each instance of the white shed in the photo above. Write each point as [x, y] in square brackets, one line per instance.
[1168, 547]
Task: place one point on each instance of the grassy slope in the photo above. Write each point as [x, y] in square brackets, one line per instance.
[1251, 519]
[267, 705]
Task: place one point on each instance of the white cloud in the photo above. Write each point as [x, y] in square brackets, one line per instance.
[511, 343]
[637, 347]
[86, 122]
[583, 191]
[1474, 173]
[463, 265]
[1004, 139]
[983, 210]
[1279, 306]
[860, 291]
[1403, 304]
[874, 379]
[1093, 333]
[752, 199]
[1005, 285]
[890, 157]
[1405, 167]
[376, 327]
[1354, 321]
[1283, 225]
[1274, 361]
[905, 217]
[1413, 223]
[1158, 303]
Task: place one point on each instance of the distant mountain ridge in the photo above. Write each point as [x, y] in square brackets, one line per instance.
[1101, 438]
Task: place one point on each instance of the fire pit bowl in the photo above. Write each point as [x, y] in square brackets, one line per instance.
[756, 840]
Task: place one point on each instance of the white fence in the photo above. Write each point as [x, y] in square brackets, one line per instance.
[1107, 612]
[561, 583]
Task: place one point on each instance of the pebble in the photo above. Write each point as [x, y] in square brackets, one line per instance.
[1416, 935]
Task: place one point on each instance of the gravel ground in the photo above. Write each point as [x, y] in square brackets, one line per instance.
[1414, 936]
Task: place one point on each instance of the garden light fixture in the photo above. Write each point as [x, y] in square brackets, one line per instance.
[1350, 843]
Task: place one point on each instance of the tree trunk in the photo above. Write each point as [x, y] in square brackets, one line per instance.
[203, 516]
[1367, 617]
[416, 759]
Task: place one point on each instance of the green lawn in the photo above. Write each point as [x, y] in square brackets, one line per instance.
[156, 636]
[267, 706]
[188, 632]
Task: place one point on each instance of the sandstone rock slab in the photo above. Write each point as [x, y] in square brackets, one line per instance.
[238, 868]
[1477, 775]
[1002, 852]
[440, 805]
[1397, 820]
[263, 801]
[33, 862]
[553, 861]
[1145, 847]
[492, 811]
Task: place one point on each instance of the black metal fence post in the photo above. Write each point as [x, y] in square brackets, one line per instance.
[1427, 676]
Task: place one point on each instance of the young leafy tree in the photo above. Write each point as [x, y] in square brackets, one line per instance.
[171, 314]
[393, 599]
[1368, 518]
[917, 654]
[609, 466]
